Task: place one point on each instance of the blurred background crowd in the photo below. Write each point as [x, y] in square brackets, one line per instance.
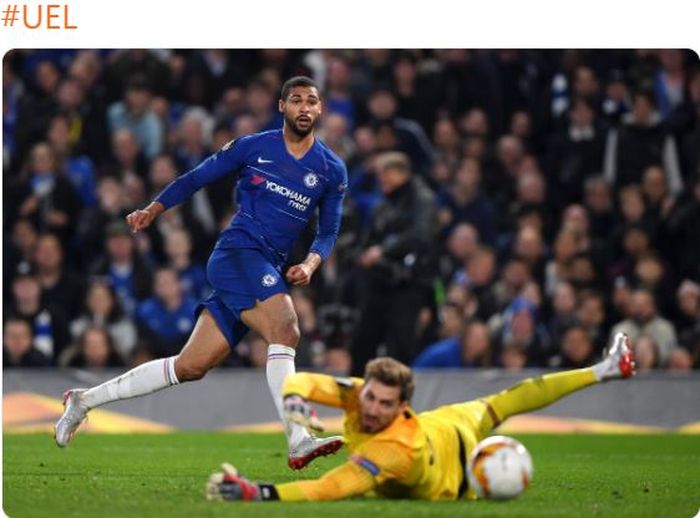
[506, 208]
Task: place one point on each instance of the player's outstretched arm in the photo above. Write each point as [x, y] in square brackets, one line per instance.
[319, 388]
[345, 481]
[227, 160]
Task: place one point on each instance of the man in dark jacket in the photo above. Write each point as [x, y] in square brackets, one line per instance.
[395, 263]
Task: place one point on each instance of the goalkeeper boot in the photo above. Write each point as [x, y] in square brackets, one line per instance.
[74, 414]
[618, 361]
[311, 447]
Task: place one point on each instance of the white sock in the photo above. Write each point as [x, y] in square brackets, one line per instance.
[144, 379]
[603, 369]
[280, 364]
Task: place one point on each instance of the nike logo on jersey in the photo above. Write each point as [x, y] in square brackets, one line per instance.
[261, 160]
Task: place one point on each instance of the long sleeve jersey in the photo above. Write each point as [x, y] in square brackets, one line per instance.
[277, 194]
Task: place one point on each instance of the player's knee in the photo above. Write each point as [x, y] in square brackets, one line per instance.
[287, 334]
[186, 371]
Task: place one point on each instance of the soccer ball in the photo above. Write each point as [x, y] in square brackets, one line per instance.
[499, 468]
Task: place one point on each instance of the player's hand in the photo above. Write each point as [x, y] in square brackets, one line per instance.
[142, 218]
[230, 485]
[298, 410]
[299, 274]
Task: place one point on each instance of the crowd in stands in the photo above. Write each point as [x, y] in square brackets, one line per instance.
[546, 200]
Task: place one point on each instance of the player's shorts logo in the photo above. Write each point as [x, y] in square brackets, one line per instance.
[311, 180]
[269, 280]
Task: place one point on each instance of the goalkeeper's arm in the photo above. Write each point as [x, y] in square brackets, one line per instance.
[318, 388]
[345, 481]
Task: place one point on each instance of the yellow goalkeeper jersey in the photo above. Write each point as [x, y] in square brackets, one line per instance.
[419, 456]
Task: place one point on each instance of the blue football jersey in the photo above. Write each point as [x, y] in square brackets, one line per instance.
[277, 194]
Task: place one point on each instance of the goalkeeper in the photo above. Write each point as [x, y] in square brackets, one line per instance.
[396, 453]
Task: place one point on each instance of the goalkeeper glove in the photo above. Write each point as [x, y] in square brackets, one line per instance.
[298, 410]
[230, 485]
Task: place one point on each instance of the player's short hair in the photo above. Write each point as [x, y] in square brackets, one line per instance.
[394, 160]
[392, 373]
[297, 81]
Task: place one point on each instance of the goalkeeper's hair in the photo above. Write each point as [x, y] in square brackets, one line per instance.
[392, 373]
[297, 81]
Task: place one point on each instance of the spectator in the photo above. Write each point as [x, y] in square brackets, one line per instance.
[338, 94]
[166, 319]
[683, 225]
[680, 361]
[18, 346]
[395, 263]
[94, 350]
[102, 309]
[575, 153]
[646, 353]
[478, 277]
[521, 329]
[192, 275]
[134, 113]
[49, 325]
[94, 221]
[410, 137]
[563, 311]
[645, 320]
[79, 168]
[655, 189]
[462, 243]
[514, 277]
[650, 273]
[334, 132]
[591, 315]
[558, 268]
[127, 156]
[19, 248]
[464, 202]
[61, 287]
[127, 273]
[576, 349]
[206, 75]
[513, 357]
[192, 136]
[687, 320]
[337, 361]
[598, 200]
[472, 348]
[640, 141]
[261, 103]
[44, 195]
[529, 248]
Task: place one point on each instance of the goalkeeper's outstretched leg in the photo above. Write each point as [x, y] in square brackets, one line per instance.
[534, 393]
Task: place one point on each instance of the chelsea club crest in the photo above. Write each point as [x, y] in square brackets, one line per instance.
[269, 280]
[310, 180]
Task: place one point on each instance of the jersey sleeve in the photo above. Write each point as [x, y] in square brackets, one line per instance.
[330, 214]
[345, 481]
[228, 159]
[319, 388]
[384, 460]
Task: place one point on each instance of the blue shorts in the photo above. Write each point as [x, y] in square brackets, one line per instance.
[239, 277]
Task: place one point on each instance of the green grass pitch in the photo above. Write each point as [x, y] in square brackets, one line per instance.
[164, 475]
